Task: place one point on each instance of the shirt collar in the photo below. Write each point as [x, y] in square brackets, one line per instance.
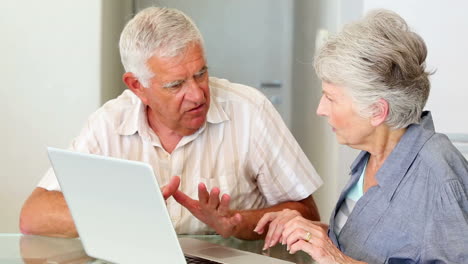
[359, 162]
[216, 113]
[403, 155]
[131, 115]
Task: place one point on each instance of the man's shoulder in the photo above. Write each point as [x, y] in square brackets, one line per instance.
[115, 111]
[127, 99]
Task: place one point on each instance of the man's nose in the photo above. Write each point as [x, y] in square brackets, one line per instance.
[195, 92]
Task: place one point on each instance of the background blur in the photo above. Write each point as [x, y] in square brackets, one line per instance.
[60, 62]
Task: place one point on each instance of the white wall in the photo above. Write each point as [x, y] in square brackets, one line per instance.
[52, 78]
[310, 130]
[444, 27]
[315, 136]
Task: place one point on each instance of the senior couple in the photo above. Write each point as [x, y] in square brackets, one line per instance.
[242, 173]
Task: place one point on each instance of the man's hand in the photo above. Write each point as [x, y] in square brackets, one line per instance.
[211, 210]
[169, 189]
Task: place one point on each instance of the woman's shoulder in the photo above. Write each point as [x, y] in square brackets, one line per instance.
[445, 161]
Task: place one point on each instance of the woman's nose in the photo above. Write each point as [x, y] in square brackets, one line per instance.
[321, 108]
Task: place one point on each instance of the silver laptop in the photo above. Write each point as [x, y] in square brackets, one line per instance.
[121, 216]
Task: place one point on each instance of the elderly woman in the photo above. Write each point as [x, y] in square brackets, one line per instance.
[406, 200]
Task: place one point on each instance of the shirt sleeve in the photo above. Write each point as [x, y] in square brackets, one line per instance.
[86, 143]
[446, 236]
[282, 170]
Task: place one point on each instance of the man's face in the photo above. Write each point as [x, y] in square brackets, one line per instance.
[178, 96]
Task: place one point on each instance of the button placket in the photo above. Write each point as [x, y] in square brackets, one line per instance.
[175, 208]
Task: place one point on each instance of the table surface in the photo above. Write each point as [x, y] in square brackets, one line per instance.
[17, 248]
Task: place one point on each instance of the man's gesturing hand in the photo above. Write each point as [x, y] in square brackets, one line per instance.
[211, 210]
[169, 189]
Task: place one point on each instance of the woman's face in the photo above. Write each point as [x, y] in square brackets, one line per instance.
[338, 107]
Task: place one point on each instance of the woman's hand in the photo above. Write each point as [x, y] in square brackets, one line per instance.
[275, 222]
[312, 238]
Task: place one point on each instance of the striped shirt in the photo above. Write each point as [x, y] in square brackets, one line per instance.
[353, 195]
[244, 148]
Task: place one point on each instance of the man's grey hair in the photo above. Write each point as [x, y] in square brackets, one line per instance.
[378, 57]
[164, 32]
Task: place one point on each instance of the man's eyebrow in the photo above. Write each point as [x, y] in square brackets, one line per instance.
[179, 82]
[173, 84]
[202, 70]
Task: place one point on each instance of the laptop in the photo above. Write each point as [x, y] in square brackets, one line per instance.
[121, 216]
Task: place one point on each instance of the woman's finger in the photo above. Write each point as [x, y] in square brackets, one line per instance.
[266, 218]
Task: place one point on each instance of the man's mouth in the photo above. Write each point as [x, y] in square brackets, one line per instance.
[196, 108]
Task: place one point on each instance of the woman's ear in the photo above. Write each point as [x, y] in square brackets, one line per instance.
[135, 86]
[380, 114]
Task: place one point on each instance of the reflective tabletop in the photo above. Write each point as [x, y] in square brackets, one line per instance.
[17, 248]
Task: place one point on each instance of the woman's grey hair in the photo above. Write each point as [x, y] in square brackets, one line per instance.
[378, 57]
[164, 32]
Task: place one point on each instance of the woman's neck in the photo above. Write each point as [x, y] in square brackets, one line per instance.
[383, 143]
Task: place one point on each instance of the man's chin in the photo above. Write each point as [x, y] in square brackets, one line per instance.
[192, 128]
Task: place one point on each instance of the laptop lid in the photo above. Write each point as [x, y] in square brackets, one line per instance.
[135, 226]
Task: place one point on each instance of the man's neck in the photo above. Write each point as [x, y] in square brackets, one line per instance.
[169, 138]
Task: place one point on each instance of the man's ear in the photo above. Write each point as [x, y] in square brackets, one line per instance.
[134, 85]
[380, 114]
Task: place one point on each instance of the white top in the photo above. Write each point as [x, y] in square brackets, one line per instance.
[347, 207]
[245, 149]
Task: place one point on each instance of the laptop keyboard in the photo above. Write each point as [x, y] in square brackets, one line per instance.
[189, 259]
[196, 260]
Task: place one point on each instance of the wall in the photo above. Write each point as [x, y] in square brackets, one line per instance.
[443, 26]
[309, 129]
[313, 133]
[53, 76]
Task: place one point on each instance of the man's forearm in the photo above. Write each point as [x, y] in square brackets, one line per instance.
[250, 218]
[46, 213]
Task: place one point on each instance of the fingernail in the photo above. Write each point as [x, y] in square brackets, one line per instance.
[272, 244]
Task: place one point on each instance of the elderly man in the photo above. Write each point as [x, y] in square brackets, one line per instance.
[219, 137]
